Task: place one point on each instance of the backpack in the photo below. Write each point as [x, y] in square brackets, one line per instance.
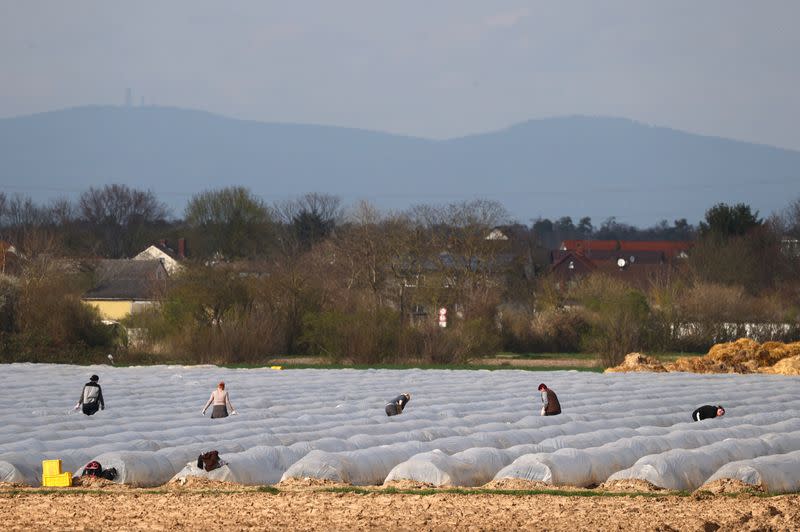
[93, 469]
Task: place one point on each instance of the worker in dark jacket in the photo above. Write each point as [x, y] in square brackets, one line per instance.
[550, 404]
[708, 412]
[91, 397]
[396, 405]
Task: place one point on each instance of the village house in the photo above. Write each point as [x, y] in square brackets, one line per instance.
[639, 263]
[123, 287]
[170, 257]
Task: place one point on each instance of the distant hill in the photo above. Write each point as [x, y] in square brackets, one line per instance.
[574, 166]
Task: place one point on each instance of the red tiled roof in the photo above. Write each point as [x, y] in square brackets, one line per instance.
[574, 256]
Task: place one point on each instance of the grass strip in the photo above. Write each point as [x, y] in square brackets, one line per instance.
[14, 492]
[486, 491]
[78, 491]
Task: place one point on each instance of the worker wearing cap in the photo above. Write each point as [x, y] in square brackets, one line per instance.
[91, 397]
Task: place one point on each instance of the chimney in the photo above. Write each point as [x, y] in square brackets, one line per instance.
[181, 248]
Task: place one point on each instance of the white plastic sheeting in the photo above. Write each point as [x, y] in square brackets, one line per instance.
[688, 469]
[778, 473]
[461, 426]
[594, 465]
[478, 465]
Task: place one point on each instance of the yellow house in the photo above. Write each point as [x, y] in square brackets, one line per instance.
[124, 287]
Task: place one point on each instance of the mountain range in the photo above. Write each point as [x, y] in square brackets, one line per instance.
[567, 166]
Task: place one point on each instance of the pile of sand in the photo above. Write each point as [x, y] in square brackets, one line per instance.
[628, 485]
[89, 481]
[517, 484]
[742, 356]
[198, 482]
[638, 362]
[406, 484]
[306, 483]
[729, 485]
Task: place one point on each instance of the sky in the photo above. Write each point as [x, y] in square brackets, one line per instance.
[434, 69]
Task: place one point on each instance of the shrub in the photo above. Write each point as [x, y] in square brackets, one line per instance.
[42, 316]
[618, 316]
[558, 330]
[363, 337]
[243, 337]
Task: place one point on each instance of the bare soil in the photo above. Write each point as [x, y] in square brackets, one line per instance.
[315, 510]
[729, 485]
[630, 485]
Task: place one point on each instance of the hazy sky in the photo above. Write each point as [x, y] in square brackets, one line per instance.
[427, 68]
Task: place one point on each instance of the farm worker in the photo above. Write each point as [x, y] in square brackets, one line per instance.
[708, 412]
[91, 397]
[550, 404]
[397, 404]
[221, 402]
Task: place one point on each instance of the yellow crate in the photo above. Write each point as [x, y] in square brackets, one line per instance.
[51, 467]
[57, 481]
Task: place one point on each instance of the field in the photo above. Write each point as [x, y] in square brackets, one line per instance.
[314, 510]
[477, 433]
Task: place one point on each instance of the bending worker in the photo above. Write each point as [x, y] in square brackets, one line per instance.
[708, 412]
[550, 404]
[397, 404]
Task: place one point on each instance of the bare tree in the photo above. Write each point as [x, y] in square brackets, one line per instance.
[231, 221]
[27, 226]
[790, 218]
[307, 220]
[467, 260]
[119, 217]
[61, 212]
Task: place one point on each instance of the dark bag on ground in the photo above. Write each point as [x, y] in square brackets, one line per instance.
[93, 469]
[208, 461]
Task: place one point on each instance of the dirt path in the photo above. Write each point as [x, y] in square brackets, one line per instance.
[487, 361]
[318, 511]
[538, 362]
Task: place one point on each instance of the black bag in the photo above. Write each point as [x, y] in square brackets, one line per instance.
[93, 469]
[109, 474]
[208, 461]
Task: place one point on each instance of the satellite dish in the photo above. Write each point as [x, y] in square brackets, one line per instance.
[621, 262]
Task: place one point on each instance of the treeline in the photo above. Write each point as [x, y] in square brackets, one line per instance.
[310, 276]
[116, 221]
